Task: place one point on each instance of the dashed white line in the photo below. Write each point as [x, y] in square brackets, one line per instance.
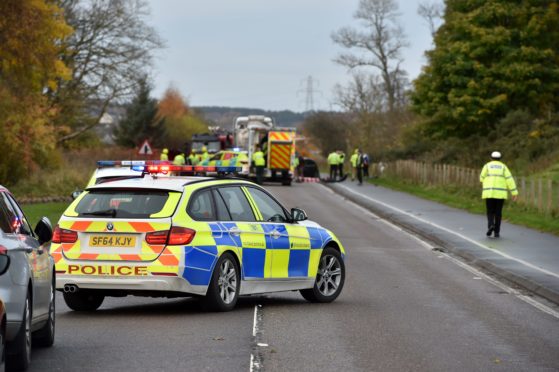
[255, 358]
[478, 274]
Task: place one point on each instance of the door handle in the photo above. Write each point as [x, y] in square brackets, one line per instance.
[275, 234]
[235, 231]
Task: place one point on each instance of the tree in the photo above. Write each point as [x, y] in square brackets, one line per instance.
[329, 131]
[31, 34]
[111, 46]
[379, 45]
[141, 121]
[432, 12]
[490, 58]
[180, 122]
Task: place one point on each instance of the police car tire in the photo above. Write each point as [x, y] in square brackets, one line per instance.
[213, 298]
[44, 337]
[83, 300]
[314, 294]
[19, 353]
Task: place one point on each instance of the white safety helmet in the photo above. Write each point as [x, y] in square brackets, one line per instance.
[495, 155]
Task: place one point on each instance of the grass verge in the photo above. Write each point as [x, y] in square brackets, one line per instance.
[51, 210]
[470, 200]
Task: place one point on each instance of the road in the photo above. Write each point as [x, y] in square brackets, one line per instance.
[404, 307]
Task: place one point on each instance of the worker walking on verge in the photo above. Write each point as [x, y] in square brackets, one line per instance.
[497, 182]
[333, 162]
[259, 163]
[353, 161]
[164, 155]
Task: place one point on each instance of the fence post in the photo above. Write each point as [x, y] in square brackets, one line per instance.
[549, 196]
[540, 195]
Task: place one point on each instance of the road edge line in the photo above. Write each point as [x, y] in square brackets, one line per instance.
[521, 281]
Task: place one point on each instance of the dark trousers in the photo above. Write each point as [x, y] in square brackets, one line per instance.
[366, 171]
[494, 209]
[333, 171]
[360, 174]
[259, 174]
[341, 170]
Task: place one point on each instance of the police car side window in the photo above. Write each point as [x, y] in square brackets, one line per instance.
[237, 204]
[270, 210]
[221, 208]
[200, 207]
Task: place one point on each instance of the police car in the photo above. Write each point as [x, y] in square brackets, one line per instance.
[169, 236]
[230, 158]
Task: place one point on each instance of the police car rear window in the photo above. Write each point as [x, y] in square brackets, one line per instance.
[116, 203]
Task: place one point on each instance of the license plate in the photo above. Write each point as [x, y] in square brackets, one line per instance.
[126, 241]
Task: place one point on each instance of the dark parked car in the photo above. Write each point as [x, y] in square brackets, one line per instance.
[310, 168]
[27, 288]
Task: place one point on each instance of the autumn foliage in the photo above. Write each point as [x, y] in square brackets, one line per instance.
[31, 38]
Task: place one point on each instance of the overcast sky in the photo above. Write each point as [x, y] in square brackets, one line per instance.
[258, 54]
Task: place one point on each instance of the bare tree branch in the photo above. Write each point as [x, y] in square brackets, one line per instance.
[378, 45]
[111, 46]
[432, 12]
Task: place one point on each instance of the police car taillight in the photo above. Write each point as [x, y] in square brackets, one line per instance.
[176, 236]
[157, 237]
[64, 236]
[181, 235]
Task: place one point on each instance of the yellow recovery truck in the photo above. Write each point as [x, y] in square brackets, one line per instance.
[277, 143]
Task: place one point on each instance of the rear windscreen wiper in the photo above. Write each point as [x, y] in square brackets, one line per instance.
[108, 212]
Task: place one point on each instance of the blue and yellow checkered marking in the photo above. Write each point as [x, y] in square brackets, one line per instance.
[295, 253]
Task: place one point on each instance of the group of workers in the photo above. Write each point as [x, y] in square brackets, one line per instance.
[359, 165]
[181, 159]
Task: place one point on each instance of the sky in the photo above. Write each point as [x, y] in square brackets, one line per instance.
[259, 54]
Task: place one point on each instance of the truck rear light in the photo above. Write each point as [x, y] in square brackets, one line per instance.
[181, 235]
[64, 236]
[157, 237]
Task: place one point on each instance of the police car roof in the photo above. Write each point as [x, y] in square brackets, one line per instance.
[160, 182]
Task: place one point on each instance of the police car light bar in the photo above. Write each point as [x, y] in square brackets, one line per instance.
[166, 168]
[129, 163]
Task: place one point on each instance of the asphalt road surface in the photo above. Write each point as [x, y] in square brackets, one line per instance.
[404, 308]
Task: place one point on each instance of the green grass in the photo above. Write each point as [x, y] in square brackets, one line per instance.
[51, 210]
[470, 200]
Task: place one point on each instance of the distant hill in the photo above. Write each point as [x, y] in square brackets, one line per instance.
[225, 116]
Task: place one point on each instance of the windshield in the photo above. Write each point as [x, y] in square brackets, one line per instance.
[210, 146]
[116, 203]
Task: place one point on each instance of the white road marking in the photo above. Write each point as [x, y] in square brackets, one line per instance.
[525, 263]
[478, 274]
[255, 360]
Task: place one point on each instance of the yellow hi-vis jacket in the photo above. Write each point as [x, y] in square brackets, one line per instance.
[333, 158]
[258, 159]
[497, 181]
[164, 156]
[353, 160]
[179, 160]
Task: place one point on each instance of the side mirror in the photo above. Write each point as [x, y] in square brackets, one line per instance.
[44, 230]
[298, 214]
[4, 263]
[75, 194]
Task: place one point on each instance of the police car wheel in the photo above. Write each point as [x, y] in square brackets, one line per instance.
[83, 300]
[223, 291]
[330, 278]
